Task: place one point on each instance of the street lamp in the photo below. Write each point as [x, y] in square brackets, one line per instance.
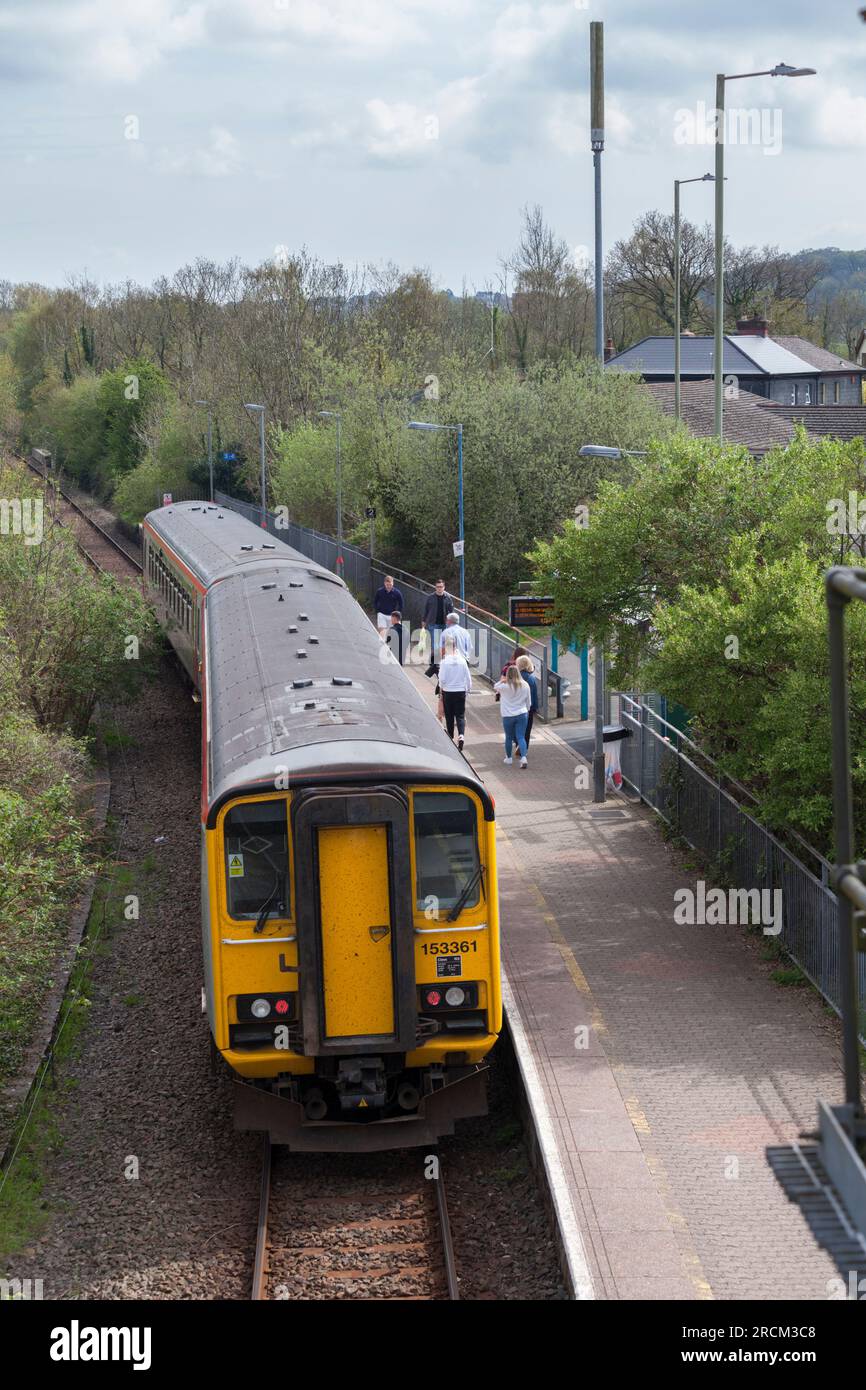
[705, 178]
[264, 486]
[602, 451]
[338, 416]
[780, 70]
[427, 425]
[209, 445]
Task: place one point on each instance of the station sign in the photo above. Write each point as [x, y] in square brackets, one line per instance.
[529, 610]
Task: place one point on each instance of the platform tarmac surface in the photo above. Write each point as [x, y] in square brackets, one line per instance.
[669, 1058]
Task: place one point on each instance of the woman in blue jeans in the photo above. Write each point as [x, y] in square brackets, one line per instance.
[515, 700]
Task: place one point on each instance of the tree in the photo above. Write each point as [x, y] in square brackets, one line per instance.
[551, 300]
[704, 572]
[640, 271]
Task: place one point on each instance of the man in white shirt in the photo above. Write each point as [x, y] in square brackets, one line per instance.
[462, 638]
[455, 683]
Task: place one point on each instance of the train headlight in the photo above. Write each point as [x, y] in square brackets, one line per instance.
[455, 996]
[260, 1008]
[433, 998]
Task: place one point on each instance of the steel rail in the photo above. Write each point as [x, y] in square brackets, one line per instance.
[447, 1238]
[259, 1293]
[76, 506]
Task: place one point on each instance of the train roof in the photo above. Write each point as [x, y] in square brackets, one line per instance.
[344, 711]
[213, 541]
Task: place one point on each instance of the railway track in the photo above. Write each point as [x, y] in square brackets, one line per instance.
[360, 1227]
[101, 549]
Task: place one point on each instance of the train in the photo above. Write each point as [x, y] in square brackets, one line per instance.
[349, 898]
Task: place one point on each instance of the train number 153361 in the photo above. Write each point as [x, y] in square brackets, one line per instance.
[448, 948]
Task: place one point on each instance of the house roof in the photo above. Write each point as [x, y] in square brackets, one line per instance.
[745, 355]
[837, 421]
[652, 356]
[771, 355]
[818, 357]
[746, 422]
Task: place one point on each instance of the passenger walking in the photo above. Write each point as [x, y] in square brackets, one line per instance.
[527, 671]
[388, 600]
[395, 635]
[455, 683]
[515, 701]
[518, 651]
[439, 604]
[465, 645]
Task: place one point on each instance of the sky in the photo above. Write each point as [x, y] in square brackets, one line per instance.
[136, 135]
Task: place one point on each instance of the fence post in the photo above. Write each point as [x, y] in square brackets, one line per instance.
[639, 709]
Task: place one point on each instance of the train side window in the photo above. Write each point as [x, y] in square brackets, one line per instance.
[257, 860]
[446, 850]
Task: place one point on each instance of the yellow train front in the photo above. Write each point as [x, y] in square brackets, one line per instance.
[349, 895]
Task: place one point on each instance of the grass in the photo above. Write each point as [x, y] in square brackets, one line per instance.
[789, 976]
[23, 1207]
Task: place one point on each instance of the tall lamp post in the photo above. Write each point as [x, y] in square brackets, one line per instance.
[338, 416]
[780, 70]
[602, 451]
[264, 484]
[596, 140]
[458, 429]
[705, 178]
[209, 445]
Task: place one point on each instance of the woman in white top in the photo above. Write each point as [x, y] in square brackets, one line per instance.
[455, 683]
[515, 700]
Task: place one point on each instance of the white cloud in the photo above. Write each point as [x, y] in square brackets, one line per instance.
[522, 32]
[102, 38]
[568, 124]
[399, 130]
[217, 160]
[362, 27]
[841, 119]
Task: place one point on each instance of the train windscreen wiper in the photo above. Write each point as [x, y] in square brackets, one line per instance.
[266, 905]
[461, 901]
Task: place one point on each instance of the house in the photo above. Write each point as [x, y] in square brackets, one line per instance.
[748, 420]
[835, 421]
[787, 370]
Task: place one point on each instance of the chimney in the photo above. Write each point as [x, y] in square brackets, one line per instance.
[609, 350]
[757, 326]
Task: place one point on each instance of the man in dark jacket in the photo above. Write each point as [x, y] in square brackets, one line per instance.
[388, 600]
[439, 604]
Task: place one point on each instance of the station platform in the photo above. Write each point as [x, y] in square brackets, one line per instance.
[667, 1059]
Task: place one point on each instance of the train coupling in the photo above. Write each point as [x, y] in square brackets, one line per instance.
[360, 1083]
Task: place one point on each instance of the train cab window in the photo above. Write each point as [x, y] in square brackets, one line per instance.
[257, 860]
[446, 850]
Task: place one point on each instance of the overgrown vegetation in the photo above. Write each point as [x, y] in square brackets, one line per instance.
[704, 573]
[64, 644]
[109, 379]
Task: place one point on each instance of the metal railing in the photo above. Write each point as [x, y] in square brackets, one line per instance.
[662, 765]
[493, 640]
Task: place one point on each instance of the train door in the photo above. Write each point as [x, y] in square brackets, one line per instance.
[355, 926]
